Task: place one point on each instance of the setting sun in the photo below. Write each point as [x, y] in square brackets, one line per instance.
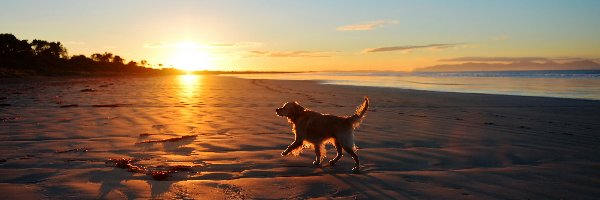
[190, 56]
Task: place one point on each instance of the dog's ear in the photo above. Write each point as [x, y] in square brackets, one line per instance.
[296, 110]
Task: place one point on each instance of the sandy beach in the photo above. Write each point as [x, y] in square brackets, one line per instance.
[219, 138]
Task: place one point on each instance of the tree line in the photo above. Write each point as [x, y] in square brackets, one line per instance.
[40, 57]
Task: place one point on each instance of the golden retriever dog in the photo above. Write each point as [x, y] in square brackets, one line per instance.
[315, 129]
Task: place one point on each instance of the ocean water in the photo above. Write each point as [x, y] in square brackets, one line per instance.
[577, 84]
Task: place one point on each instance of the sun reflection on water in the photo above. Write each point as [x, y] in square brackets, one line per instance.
[190, 85]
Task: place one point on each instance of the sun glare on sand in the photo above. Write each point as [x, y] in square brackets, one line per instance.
[190, 56]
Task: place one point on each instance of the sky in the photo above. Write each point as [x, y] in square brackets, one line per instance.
[294, 35]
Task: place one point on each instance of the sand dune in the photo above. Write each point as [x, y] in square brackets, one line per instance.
[57, 133]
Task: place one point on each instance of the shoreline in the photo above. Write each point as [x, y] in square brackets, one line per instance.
[554, 87]
[384, 88]
[469, 93]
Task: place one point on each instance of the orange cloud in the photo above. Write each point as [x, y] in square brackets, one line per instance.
[409, 48]
[211, 45]
[235, 45]
[515, 59]
[367, 26]
[289, 54]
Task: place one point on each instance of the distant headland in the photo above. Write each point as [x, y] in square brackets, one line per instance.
[514, 66]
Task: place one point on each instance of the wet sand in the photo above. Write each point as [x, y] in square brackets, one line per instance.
[56, 135]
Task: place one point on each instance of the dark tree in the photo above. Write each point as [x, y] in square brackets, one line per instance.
[96, 57]
[132, 64]
[11, 46]
[144, 63]
[57, 50]
[106, 57]
[40, 47]
[51, 49]
[118, 60]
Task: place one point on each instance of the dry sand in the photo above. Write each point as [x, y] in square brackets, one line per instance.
[57, 133]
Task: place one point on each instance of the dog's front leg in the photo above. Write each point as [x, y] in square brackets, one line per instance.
[296, 144]
[317, 161]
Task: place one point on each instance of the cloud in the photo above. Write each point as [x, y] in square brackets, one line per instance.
[196, 45]
[235, 45]
[572, 59]
[409, 48]
[366, 26]
[311, 54]
[513, 59]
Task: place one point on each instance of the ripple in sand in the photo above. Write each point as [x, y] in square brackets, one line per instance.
[110, 105]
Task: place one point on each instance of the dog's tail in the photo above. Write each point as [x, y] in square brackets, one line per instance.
[359, 114]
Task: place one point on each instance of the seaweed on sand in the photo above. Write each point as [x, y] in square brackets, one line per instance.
[176, 139]
[127, 163]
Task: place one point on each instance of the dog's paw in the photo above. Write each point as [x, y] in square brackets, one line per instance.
[356, 170]
[316, 163]
[284, 153]
[332, 163]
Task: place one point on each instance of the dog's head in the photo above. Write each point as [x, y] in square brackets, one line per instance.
[290, 110]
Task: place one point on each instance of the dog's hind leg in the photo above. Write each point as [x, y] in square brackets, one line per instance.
[296, 144]
[347, 142]
[338, 148]
[350, 151]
